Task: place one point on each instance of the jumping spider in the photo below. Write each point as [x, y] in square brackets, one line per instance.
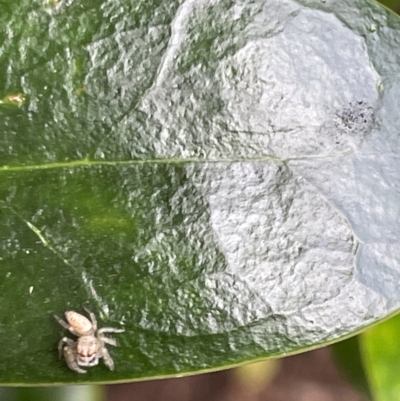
[90, 345]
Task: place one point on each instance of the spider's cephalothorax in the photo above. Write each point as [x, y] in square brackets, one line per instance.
[90, 345]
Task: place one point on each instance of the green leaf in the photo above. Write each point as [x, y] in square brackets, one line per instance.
[218, 178]
[381, 352]
[350, 358]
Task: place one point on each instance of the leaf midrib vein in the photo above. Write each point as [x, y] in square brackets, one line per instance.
[86, 162]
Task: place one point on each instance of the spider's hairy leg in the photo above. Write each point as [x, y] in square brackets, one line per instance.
[68, 347]
[66, 325]
[70, 358]
[63, 324]
[110, 330]
[107, 358]
[107, 340]
[63, 341]
[92, 318]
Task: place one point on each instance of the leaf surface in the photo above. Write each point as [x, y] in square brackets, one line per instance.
[219, 178]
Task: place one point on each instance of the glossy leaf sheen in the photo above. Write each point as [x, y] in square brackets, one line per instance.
[220, 178]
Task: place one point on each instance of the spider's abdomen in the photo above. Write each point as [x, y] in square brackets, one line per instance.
[79, 323]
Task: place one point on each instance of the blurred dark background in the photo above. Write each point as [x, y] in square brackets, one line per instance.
[312, 376]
